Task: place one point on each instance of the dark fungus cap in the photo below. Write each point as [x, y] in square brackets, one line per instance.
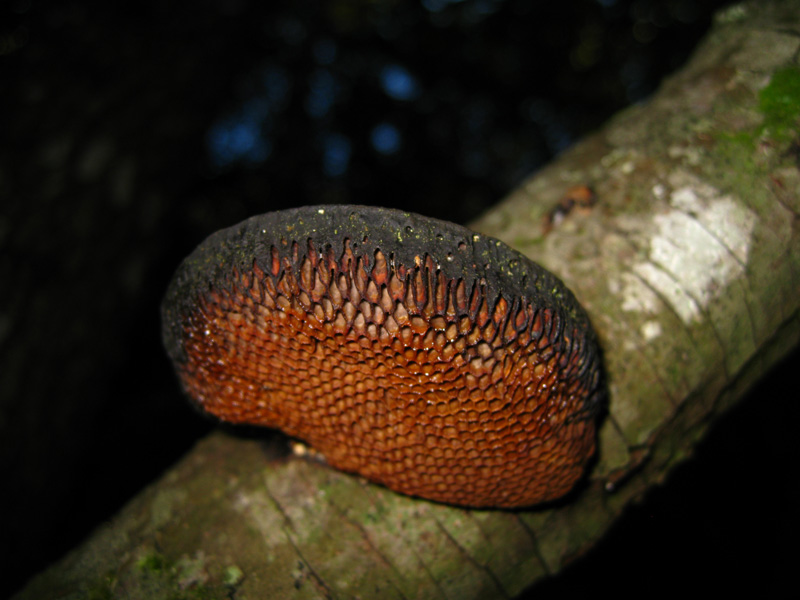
[436, 361]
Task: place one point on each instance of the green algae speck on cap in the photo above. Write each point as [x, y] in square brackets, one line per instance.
[435, 361]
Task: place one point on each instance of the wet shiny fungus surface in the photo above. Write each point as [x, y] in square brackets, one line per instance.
[437, 362]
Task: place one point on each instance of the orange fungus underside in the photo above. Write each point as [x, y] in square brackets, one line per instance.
[439, 363]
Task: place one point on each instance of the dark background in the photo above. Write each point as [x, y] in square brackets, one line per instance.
[132, 130]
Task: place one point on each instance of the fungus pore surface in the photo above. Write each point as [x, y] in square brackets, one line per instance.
[438, 362]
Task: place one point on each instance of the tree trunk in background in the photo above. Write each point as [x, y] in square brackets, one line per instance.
[689, 266]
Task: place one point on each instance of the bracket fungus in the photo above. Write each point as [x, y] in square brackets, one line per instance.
[435, 361]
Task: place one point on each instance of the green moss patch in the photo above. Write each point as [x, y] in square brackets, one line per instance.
[779, 102]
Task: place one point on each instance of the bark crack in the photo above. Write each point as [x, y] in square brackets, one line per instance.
[742, 280]
[304, 569]
[366, 538]
[665, 301]
[535, 541]
[412, 548]
[471, 560]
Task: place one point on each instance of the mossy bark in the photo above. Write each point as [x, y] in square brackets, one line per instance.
[689, 266]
